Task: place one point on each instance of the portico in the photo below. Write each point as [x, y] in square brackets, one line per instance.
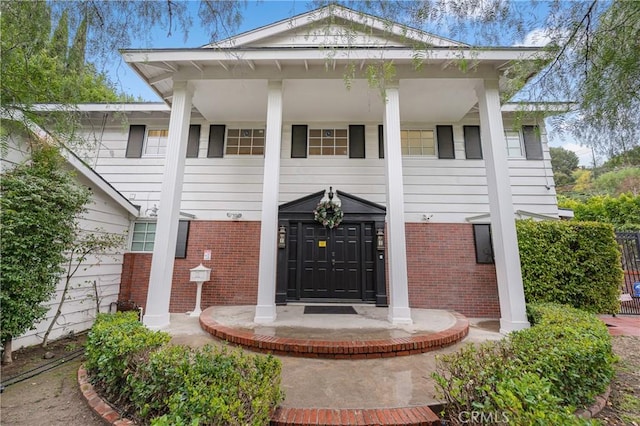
[244, 82]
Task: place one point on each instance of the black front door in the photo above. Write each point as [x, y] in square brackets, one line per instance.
[331, 262]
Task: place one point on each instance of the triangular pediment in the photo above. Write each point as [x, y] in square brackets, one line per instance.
[349, 204]
[334, 26]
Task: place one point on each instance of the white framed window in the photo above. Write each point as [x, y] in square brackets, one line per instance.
[245, 142]
[514, 144]
[328, 142]
[155, 144]
[144, 235]
[419, 142]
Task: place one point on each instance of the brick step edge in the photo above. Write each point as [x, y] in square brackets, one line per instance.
[282, 416]
[337, 349]
[384, 416]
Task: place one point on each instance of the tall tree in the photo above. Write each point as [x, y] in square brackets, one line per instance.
[563, 163]
[41, 202]
[563, 160]
[60, 38]
[76, 57]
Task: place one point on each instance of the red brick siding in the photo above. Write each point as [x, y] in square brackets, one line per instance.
[235, 248]
[443, 273]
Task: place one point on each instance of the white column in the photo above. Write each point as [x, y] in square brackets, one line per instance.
[399, 312]
[164, 249]
[503, 226]
[266, 307]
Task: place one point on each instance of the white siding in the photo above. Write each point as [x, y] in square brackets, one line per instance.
[443, 190]
[79, 310]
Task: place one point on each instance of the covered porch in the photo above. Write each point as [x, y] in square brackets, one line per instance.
[275, 87]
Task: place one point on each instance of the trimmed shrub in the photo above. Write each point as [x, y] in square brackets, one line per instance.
[533, 377]
[572, 263]
[177, 385]
[112, 343]
[570, 348]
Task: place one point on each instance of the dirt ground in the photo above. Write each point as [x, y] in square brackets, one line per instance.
[53, 397]
[50, 398]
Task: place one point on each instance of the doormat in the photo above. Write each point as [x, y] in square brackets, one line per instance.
[332, 309]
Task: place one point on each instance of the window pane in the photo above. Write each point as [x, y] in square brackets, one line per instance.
[137, 246]
[139, 227]
[151, 227]
[417, 142]
[328, 142]
[148, 246]
[245, 142]
[138, 236]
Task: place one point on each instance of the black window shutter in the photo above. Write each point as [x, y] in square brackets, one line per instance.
[183, 236]
[472, 144]
[356, 141]
[380, 141]
[482, 238]
[299, 141]
[193, 143]
[136, 139]
[532, 142]
[216, 141]
[445, 142]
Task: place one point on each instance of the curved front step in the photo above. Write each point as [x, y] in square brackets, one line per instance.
[337, 349]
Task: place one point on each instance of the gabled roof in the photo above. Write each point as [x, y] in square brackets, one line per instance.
[337, 24]
[79, 165]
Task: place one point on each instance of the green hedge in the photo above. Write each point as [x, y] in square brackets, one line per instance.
[161, 384]
[534, 376]
[112, 343]
[573, 263]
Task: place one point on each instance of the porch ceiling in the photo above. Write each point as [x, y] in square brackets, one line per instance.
[325, 100]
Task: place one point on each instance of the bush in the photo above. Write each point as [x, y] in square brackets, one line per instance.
[112, 344]
[572, 263]
[570, 348]
[621, 211]
[533, 377]
[177, 385]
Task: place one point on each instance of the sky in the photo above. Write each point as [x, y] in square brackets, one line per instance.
[258, 14]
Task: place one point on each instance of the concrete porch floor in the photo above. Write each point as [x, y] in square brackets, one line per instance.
[311, 383]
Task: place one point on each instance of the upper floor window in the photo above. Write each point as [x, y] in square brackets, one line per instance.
[156, 142]
[417, 142]
[328, 142]
[524, 143]
[514, 144]
[245, 142]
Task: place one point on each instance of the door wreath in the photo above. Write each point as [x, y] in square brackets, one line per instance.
[328, 214]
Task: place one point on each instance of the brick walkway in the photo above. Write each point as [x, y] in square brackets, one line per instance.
[622, 325]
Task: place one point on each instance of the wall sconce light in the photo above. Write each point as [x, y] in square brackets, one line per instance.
[234, 215]
[380, 236]
[153, 210]
[282, 237]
